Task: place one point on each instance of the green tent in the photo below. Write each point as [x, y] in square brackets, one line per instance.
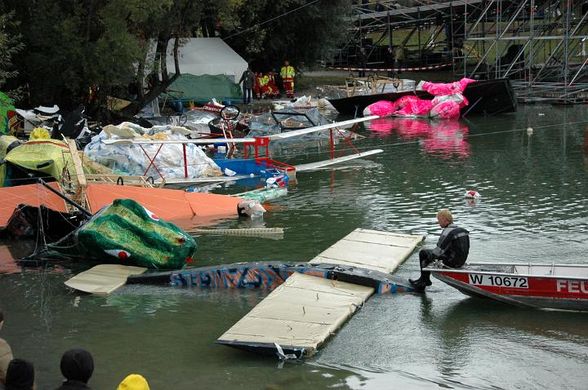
[201, 89]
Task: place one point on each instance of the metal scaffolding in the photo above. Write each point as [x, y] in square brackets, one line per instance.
[541, 45]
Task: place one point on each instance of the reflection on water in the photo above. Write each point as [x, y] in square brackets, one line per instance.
[443, 138]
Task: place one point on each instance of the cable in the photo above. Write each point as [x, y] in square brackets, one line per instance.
[271, 20]
[417, 141]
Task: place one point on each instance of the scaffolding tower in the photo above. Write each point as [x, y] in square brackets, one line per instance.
[541, 45]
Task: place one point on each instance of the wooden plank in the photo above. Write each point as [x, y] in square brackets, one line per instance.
[333, 161]
[371, 249]
[78, 167]
[103, 279]
[302, 312]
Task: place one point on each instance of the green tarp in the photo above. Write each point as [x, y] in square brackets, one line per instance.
[127, 233]
[201, 89]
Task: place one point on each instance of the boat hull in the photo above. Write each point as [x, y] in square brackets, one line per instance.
[489, 97]
[544, 292]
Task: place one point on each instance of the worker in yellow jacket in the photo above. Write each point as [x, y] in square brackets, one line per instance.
[287, 73]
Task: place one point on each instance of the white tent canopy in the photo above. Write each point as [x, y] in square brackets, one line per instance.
[212, 56]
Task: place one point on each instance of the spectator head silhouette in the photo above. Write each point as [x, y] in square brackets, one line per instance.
[20, 375]
[77, 365]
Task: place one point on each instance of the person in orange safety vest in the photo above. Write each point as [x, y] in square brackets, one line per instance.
[257, 85]
[272, 84]
[287, 73]
[268, 86]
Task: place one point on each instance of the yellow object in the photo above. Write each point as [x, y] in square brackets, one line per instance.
[159, 136]
[39, 133]
[5, 142]
[287, 72]
[133, 382]
[49, 156]
[116, 104]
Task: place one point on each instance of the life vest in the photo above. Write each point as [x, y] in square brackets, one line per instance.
[287, 72]
[459, 247]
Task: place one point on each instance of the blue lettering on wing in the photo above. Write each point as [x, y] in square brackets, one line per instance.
[245, 282]
[205, 279]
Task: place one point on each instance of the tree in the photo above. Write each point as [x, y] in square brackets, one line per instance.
[88, 46]
[267, 32]
[83, 51]
[95, 48]
[10, 45]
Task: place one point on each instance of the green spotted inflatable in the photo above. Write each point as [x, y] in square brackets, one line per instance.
[127, 233]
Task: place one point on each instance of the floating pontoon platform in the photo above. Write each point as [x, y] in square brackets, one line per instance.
[103, 278]
[299, 315]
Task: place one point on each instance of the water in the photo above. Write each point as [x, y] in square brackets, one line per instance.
[533, 208]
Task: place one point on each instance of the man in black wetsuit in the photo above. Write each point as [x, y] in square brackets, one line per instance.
[452, 249]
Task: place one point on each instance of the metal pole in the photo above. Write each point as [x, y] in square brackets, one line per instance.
[452, 45]
[389, 31]
[331, 144]
[484, 33]
[531, 35]
[419, 34]
[567, 44]
[185, 162]
[498, 22]
[65, 198]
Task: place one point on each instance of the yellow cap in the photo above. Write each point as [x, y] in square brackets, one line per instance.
[133, 382]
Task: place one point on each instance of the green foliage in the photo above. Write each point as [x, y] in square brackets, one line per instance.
[267, 32]
[101, 45]
[5, 106]
[10, 45]
[89, 44]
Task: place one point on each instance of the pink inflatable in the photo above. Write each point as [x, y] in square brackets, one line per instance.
[445, 110]
[412, 106]
[446, 104]
[381, 108]
[440, 89]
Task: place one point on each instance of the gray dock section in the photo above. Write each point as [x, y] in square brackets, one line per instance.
[301, 313]
[305, 310]
[370, 249]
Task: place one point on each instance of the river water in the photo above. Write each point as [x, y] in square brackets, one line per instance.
[533, 208]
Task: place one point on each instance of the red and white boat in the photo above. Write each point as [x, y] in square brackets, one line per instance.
[545, 286]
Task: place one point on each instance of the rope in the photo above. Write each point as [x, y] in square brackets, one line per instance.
[418, 141]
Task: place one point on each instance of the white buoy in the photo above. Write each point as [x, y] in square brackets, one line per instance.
[529, 131]
[472, 194]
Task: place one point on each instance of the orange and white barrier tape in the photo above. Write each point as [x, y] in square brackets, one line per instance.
[431, 67]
